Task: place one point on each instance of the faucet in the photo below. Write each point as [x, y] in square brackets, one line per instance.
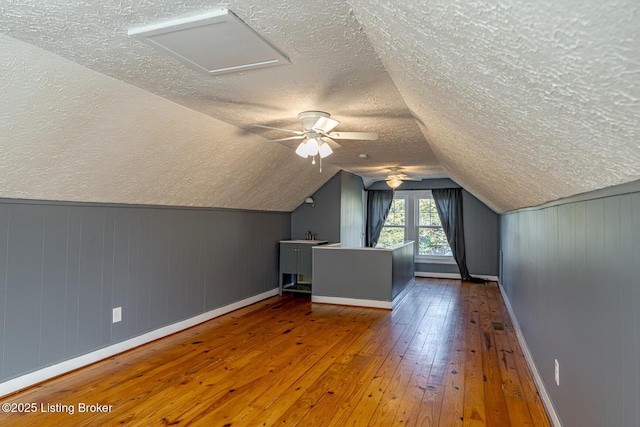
[309, 235]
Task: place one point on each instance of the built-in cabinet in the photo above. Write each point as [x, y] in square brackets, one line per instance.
[373, 277]
[296, 265]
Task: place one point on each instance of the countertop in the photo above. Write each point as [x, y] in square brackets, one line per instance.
[311, 242]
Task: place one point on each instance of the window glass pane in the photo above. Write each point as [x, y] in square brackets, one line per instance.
[396, 213]
[427, 212]
[390, 236]
[432, 241]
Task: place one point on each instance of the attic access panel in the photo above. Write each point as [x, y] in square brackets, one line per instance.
[216, 43]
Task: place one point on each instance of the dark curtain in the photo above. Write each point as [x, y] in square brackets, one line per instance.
[449, 206]
[378, 206]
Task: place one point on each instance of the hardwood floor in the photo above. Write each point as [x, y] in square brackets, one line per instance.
[439, 359]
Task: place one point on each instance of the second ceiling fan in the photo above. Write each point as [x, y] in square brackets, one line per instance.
[317, 138]
[395, 178]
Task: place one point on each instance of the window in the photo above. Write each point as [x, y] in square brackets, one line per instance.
[393, 232]
[431, 237]
[413, 216]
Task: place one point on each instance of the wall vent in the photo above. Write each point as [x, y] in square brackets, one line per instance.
[216, 42]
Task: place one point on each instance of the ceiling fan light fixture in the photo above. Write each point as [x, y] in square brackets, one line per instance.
[316, 137]
[394, 182]
[312, 147]
[302, 150]
[325, 150]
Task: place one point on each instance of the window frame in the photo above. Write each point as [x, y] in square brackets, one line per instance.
[406, 217]
[433, 259]
[412, 225]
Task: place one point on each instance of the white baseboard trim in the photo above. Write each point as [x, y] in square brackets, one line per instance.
[352, 301]
[537, 378]
[452, 276]
[69, 365]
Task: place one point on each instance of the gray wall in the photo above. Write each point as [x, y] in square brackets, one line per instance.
[571, 272]
[481, 235]
[403, 269]
[351, 211]
[481, 230]
[360, 273]
[323, 219]
[338, 212]
[63, 267]
[425, 184]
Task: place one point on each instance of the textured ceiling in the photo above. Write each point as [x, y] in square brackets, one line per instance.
[69, 133]
[519, 102]
[522, 102]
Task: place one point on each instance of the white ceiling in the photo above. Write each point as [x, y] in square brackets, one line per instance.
[519, 102]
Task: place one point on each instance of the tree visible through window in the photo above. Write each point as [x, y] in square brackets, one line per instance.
[431, 237]
[393, 232]
[413, 216]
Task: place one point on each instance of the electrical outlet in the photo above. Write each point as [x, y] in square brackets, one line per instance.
[557, 372]
[117, 314]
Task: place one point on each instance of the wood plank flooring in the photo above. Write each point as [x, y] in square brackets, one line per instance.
[438, 359]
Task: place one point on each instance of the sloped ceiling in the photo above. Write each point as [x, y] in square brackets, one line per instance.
[72, 134]
[521, 103]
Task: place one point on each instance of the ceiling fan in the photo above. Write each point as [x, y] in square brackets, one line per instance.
[317, 138]
[395, 178]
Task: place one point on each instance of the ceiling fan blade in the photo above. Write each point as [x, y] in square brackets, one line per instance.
[297, 132]
[325, 124]
[288, 138]
[403, 177]
[331, 142]
[362, 136]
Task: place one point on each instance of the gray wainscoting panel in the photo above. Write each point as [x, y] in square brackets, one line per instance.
[426, 267]
[65, 266]
[352, 212]
[90, 273]
[54, 269]
[362, 273]
[4, 221]
[402, 270]
[120, 267]
[571, 272]
[353, 273]
[23, 295]
[481, 236]
[72, 288]
[106, 288]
